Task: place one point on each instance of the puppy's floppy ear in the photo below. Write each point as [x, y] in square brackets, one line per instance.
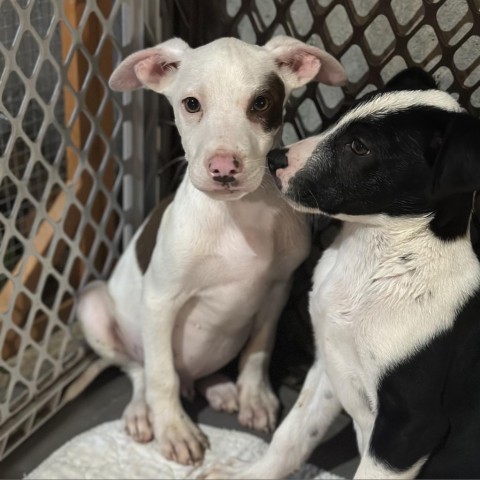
[413, 78]
[300, 63]
[153, 68]
[457, 166]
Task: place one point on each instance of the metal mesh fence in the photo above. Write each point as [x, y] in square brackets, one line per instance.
[69, 180]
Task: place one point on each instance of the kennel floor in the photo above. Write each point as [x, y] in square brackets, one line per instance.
[105, 399]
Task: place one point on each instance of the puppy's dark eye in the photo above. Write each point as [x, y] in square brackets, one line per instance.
[358, 148]
[192, 105]
[261, 103]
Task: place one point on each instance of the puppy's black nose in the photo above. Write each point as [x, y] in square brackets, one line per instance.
[277, 159]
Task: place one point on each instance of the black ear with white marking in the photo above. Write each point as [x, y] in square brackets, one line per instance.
[457, 164]
[413, 78]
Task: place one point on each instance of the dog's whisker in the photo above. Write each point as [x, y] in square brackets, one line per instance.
[174, 161]
[315, 198]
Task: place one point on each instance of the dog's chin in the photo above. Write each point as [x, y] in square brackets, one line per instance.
[227, 191]
[225, 195]
[221, 192]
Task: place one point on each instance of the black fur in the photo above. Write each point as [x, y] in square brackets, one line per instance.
[413, 78]
[430, 404]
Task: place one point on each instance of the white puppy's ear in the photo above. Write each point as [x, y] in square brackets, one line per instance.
[153, 68]
[300, 63]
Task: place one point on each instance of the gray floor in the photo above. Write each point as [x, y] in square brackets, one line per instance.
[105, 400]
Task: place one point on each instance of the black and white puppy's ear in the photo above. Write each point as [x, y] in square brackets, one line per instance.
[413, 78]
[457, 162]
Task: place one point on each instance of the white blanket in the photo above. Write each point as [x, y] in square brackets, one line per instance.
[107, 452]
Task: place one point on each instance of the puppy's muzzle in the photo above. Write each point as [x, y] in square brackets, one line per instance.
[277, 159]
[224, 167]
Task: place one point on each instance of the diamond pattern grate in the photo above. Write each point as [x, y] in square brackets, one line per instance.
[66, 148]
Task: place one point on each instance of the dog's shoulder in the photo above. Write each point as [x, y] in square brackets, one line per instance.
[386, 291]
[423, 278]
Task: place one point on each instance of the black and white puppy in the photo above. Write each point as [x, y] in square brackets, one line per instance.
[395, 304]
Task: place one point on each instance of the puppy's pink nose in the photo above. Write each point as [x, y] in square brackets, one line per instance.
[222, 166]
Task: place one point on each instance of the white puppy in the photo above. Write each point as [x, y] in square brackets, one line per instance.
[185, 298]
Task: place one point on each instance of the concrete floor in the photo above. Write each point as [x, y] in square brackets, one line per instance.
[105, 399]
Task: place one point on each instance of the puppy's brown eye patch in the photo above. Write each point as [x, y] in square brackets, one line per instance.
[266, 104]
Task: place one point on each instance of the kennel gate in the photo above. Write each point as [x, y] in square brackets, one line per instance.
[72, 184]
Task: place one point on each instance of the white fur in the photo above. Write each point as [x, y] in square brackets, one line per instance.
[371, 468]
[220, 271]
[401, 100]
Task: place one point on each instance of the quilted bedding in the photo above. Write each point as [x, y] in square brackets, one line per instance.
[107, 452]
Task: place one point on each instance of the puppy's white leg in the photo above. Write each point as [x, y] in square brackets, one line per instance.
[136, 415]
[95, 312]
[178, 437]
[220, 392]
[294, 440]
[258, 403]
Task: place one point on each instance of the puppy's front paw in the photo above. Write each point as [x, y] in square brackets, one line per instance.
[137, 421]
[258, 407]
[223, 397]
[181, 441]
[220, 392]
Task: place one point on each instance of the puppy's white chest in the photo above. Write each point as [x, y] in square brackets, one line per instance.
[228, 283]
[336, 306]
[227, 280]
[342, 281]
[236, 258]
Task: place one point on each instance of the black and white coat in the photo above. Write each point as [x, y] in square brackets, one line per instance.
[395, 303]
